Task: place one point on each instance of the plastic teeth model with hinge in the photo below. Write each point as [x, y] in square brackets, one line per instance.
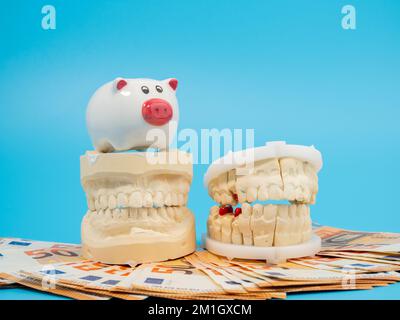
[136, 199]
[253, 178]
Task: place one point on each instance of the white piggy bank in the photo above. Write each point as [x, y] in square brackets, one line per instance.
[129, 114]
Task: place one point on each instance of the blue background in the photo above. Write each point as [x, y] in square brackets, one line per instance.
[285, 68]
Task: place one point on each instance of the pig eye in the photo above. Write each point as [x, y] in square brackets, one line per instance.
[159, 89]
[145, 90]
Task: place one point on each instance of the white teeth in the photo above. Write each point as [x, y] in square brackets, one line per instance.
[122, 200]
[142, 213]
[153, 191]
[224, 197]
[295, 231]
[289, 228]
[120, 213]
[158, 199]
[157, 217]
[214, 224]
[97, 204]
[222, 188]
[182, 188]
[270, 213]
[218, 197]
[269, 225]
[231, 184]
[170, 212]
[229, 199]
[236, 234]
[147, 200]
[290, 192]
[135, 200]
[273, 179]
[263, 193]
[179, 214]
[163, 213]
[255, 225]
[251, 194]
[307, 224]
[218, 188]
[108, 213]
[103, 202]
[299, 179]
[282, 230]
[265, 179]
[112, 202]
[217, 230]
[242, 196]
[244, 224]
[168, 200]
[181, 199]
[226, 228]
[174, 199]
[306, 192]
[124, 214]
[263, 224]
[114, 214]
[275, 192]
[133, 213]
[312, 180]
[152, 213]
[304, 224]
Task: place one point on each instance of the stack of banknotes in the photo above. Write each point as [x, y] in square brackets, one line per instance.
[349, 260]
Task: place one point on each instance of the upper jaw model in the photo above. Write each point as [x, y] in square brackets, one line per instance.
[136, 200]
[278, 172]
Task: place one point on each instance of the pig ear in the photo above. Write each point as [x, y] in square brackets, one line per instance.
[120, 83]
[173, 83]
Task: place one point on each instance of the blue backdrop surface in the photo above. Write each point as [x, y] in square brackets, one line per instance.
[286, 69]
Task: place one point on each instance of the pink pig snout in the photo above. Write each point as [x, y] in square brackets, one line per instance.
[157, 112]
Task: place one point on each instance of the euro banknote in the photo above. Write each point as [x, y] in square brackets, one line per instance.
[345, 264]
[16, 252]
[349, 260]
[335, 239]
[292, 274]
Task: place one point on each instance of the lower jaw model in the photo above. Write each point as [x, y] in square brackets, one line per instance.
[137, 208]
[262, 225]
[279, 172]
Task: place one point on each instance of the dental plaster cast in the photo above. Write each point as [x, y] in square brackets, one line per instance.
[136, 200]
[278, 171]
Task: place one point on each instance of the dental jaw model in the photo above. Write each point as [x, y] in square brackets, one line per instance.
[136, 200]
[137, 210]
[264, 230]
